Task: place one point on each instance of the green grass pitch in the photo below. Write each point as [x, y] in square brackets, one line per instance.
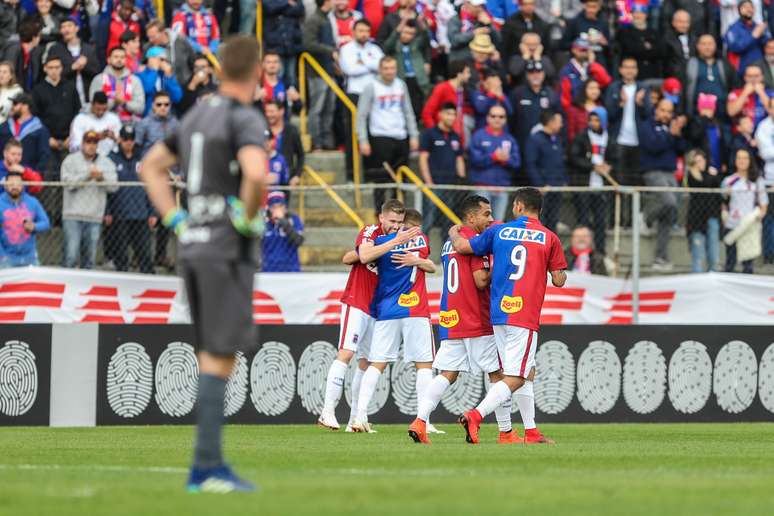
[599, 469]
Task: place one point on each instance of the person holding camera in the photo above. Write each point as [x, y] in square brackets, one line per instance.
[284, 235]
[200, 86]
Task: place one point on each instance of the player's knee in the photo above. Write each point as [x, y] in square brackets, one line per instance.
[379, 365]
[496, 376]
[450, 375]
[345, 355]
[513, 382]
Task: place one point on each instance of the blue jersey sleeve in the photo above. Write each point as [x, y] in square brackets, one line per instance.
[482, 244]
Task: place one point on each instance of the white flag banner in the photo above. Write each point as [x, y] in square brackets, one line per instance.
[47, 294]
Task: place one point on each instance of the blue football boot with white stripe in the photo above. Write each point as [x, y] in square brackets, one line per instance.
[216, 480]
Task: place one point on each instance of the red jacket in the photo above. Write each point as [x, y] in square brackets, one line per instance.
[577, 120]
[442, 93]
[373, 11]
[118, 27]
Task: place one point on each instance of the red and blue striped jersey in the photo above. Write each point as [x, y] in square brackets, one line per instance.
[523, 252]
[401, 291]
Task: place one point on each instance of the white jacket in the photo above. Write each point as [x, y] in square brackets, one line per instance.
[86, 121]
[764, 135]
[359, 63]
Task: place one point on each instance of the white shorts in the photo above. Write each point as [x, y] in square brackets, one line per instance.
[416, 333]
[516, 346]
[464, 355]
[356, 329]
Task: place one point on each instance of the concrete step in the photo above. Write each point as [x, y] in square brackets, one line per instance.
[333, 217]
[322, 237]
[333, 161]
[330, 257]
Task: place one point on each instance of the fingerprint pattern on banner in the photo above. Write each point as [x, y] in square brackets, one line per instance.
[129, 380]
[403, 377]
[599, 377]
[381, 394]
[236, 388]
[273, 379]
[177, 379]
[18, 378]
[736, 376]
[690, 377]
[312, 372]
[465, 393]
[766, 379]
[644, 377]
[554, 377]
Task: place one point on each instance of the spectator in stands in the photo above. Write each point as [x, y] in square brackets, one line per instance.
[451, 90]
[179, 49]
[286, 139]
[441, 162]
[21, 218]
[199, 25]
[679, 45]
[489, 94]
[30, 131]
[84, 206]
[530, 49]
[97, 119]
[342, 19]
[123, 19]
[661, 141]
[501, 10]
[406, 11]
[581, 66]
[581, 256]
[544, 163]
[494, 160]
[284, 235]
[9, 89]
[743, 139]
[320, 43]
[130, 42]
[279, 173]
[621, 102]
[9, 17]
[13, 164]
[767, 64]
[708, 133]
[745, 38]
[484, 56]
[129, 213]
[590, 26]
[706, 73]
[642, 42]
[408, 47]
[25, 54]
[124, 91]
[200, 86]
[79, 58]
[281, 33]
[159, 123]
[590, 159]
[471, 20]
[752, 99]
[48, 20]
[529, 100]
[747, 192]
[701, 16]
[702, 223]
[158, 76]
[386, 125]
[764, 136]
[273, 87]
[525, 21]
[588, 99]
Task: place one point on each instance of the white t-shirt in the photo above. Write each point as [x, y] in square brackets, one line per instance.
[743, 195]
[386, 117]
[628, 133]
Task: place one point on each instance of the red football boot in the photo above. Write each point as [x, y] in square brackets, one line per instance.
[418, 431]
[509, 438]
[471, 421]
[533, 436]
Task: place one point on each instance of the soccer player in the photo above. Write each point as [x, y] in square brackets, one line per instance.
[523, 251]
[467, 340]
[402, 313]
[219, 145]
[356, 323]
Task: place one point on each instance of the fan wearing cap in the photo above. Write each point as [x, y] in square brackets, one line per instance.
[157, 76]
[472, 20]
[578, 69]
[284, 235]
[593, 27]
[529, 100]
[745, 38]
[643, 43]
[29, 130]
[671, 89]
[483, 56]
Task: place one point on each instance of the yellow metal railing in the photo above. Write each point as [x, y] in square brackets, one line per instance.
[304, 59]
[259, 26]
[404, 170]
[160, 10]
[352, 214]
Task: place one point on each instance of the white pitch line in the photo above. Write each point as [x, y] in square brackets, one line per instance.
[96, 467]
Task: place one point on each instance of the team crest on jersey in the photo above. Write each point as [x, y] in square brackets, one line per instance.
[511, 305]
[354, 338]
[523, 235]
[417, 243]
[448, 319]
[408, 300]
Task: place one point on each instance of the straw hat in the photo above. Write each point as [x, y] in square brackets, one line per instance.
[482, 43]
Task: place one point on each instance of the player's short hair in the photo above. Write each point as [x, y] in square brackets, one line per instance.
[471, 204]
[13, 142]
[239, 57]
[393, 205]
[413, 217]
[530, 197]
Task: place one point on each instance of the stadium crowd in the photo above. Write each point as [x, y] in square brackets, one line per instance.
[491, 93]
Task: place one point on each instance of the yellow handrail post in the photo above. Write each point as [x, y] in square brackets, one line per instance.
[259, 26]
[333, 195]
[213, 60]
[160, 9]
[430, 194]
[304, 59]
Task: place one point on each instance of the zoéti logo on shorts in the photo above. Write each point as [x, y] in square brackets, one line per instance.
[448, 319]
[409, 300]
[511, 305]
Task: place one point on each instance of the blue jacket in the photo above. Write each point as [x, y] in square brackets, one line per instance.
[527, 107]
[743, 48]
[658, 147]
[544, 160]
[128, 202]
[279, 253]
[34, 139]
[482, 101]
[154, 81]
[484, 170]
[278, 165]
[501, 10]
[16, 245]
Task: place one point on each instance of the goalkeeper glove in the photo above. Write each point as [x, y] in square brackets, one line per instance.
[176, 219]
[247, 227]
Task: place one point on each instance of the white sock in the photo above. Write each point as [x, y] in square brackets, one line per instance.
[356, 391]
[525, 397]
[334, 385]
[497, 395]
[503, 415]
[367, 388]
[424, 377]
[432, 396]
